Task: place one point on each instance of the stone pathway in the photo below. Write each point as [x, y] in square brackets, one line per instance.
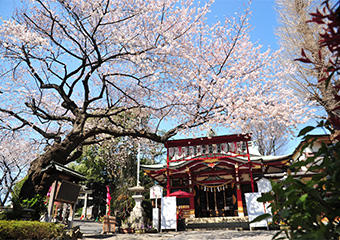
[191, 235]
[92, 231]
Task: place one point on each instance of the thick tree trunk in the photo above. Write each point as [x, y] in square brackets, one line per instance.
[39, 182]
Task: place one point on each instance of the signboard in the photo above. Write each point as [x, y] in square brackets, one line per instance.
[264, 185]
[156, 192]
[67, 192]
[168, 213]
[255, 209]
[155, 218]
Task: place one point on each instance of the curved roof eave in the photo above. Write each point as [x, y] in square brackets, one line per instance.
[179, 164]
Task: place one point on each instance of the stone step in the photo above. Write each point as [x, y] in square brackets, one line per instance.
[232, 223]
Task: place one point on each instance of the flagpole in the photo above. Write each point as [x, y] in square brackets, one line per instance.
[138, 163]
[138, 154]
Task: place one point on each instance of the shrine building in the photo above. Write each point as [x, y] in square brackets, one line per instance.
[210, 175]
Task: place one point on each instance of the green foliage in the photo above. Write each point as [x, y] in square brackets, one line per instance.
[114, 163]
[26, 209]
[310, 207]
[37, 203]
[16, 191]
[30, 230]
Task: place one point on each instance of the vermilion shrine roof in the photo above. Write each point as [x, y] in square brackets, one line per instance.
[213, 155]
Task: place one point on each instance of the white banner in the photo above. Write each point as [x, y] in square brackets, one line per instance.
[168, 213]
[264, 185]
[255, 209]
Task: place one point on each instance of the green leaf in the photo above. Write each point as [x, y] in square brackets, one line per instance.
[305, 130]
[303, 197]
[261, 217]
[266, 198]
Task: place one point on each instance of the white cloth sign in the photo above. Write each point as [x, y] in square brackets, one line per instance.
[255, 209]
[168, 213]
[264, 185]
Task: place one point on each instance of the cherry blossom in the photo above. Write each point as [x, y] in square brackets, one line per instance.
[72, 70]
[15, 156]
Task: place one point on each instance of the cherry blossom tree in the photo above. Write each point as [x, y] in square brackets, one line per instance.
[15, 157]
[269, 142]
[74, 70]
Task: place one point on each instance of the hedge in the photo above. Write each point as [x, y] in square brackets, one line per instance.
[30, 230]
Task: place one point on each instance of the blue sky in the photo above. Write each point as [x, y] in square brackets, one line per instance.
[263, 23]
[263, 18]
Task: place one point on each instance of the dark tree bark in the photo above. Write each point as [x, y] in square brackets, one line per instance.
[39, 182]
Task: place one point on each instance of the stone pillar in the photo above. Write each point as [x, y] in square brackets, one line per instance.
[238, 192]
[84, 212]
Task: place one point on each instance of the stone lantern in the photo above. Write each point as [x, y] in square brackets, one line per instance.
[136, 218]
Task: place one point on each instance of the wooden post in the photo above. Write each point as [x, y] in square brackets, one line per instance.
[215, 202]
[238, 193]
[51, 200]
[207, 196]
[224, 200]
[191, 187]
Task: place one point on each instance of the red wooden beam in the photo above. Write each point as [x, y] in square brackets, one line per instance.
[220, 172]
[250, 169]
[167, 174]
[208, 140]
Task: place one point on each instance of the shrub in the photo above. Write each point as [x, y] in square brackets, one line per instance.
[310, 207]
[30, 230]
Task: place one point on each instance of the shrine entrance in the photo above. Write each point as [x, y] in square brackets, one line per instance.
[215, 202]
